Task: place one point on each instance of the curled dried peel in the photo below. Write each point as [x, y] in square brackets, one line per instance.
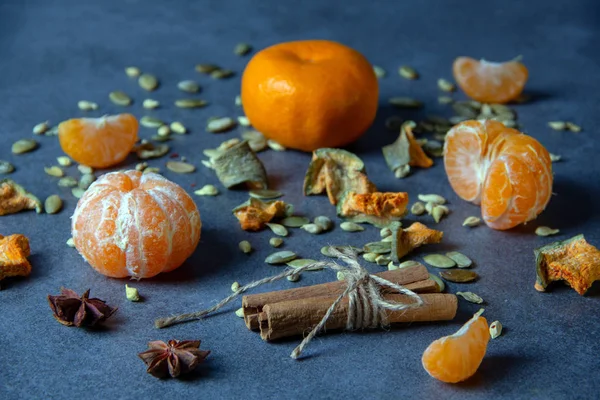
[406, 150]
[14, 250]
[254, 214]
[377, 208]
[14, 198]
[406, 240]
[574, 260]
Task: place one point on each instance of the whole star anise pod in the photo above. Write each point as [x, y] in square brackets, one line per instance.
[71, 309]
[173, 358]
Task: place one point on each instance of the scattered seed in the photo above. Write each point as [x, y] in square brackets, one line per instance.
[67, 181]
[388, 239]
[152, 170]
[281, 257]
[351, 227]
[85, 105]
[470, 297]
[293, 277]
[438, 212]
[243, 121]
[471, 221]
[148, 82]
[394, 123]
[573, 127]
[240, 312]
[188, 86]
[460, 259]
[446, 85]
[54, 171]
[370, 257]
[558, 125]
[6, 167]
[64, 161]
[546, 231]
[238, 100]
[245, 246]
[439, 261]
[206, 68]
[294, 221]
[402, 171]
[445, 100]
[190, 103]
[405, 102]
[392, 267]
[141, 166]
[265, 194]
[84, 169]
[148, 150]
[207, 190]
[70, 242]
[495, 329]
[277, 229]
[378, 247]
[408, 263]
[221, 74]
[24, 146]
[432, 198]
[241, 49]
[275, 146]
[77, 192]
[163, 131]
[385, 232]
[86, 180]
[180, 167]
[53, 204]
[459, 275]
[379, 72]
[41, 128]
[418, 208]
[235, 286]
[151, 122]
[325, 223]
[340, 276]
[312, 228]
[131, 293]
[220, 125]
[408, 72]
[465, 109]
[150, 104]
[276, 241]
[133, 72]
[382, 260]
[429, 207]
[555, 157]
[303, 262]
[178, 127]
[119, 98]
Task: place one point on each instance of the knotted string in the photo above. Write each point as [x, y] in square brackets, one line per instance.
[366, 305]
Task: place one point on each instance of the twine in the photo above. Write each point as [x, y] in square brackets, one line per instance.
[366, 306]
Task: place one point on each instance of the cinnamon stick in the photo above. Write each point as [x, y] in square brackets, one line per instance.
[297, 317]
[253, 304]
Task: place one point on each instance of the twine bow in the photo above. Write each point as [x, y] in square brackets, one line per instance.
[366, 305]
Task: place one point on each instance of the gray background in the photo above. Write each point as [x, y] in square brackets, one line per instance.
[56, 53]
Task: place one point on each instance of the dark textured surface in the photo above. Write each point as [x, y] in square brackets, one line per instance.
[56, 53]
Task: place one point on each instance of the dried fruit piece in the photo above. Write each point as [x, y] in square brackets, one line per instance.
[573, 260]
[375, 208]
[336, 172]
[459, 275]
[254, 214]
[14, 198]
[14, 250]
[239, 165]
[70, 309]
[406, 150]
[173, 358]
[405, 102]
[406, 240]
[132, 293]
[471, 297]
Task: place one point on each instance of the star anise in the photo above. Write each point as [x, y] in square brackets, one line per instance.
[173, 358]
[71, 309]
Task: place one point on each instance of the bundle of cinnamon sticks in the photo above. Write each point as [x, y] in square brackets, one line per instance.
[296, 311]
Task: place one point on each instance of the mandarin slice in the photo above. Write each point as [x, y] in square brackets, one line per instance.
[134, 224]
[457, 357]
[490, 82]
[99, 142]
[507, 172]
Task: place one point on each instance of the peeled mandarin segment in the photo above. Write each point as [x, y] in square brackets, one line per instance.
[99, 142]
[457, 357]
[490, 82]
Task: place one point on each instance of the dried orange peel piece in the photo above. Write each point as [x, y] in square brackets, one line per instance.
[573, 260]
[406, 240]
[254, 214]
[14, 198]
[376, 208]
[14, 250]
[406, 150]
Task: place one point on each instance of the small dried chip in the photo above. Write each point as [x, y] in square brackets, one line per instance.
[77, 192]
[6, 167]
[163, 131]
[495, 329]
[459, 275]
[370, 257]
[14, 198]
[207, 190]
[86, 181]
[470, 297]
[243, 121]
[375, 208]
[150, 104]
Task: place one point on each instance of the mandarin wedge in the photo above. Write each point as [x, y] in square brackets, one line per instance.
[490, 82]
[507, 172]
[457, 357]
[99, 142]
[129, 224]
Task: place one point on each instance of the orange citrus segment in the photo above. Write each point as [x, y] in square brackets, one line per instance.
[457, 357]
[99, 142]
[490, 82]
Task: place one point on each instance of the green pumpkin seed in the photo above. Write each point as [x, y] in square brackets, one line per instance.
[265, 194]
[188, 86]
[294, 221]
[54, 171]
[370, 257]
[555, 157]
[392, 267]
[178, 127]
[119, 98]
[141, 166]
[207, 190]
[388, 239]
[241, 49]
[546, 231]
[276, 241]
[340, 276]
[293, 277]
[439, 261]
[460, 259]
[408, 72]
[163, 131]
[303, 262]
[325, 223]
[378, 71]
[86, 180]
[84, 169]
[570, 126]
[418, 208]
[219, 125]
[385, 232]
[470, 297]
[459, 275]
[77, 192]
[312, 228]
[206, 68]
[402, 171]
[457, 119]
[41, 128]
[133, 72]
[148, 82]
[149, 150]
[471, 221]
[245, 246]
[408, 263]
[378, 247]
[190, 103]
[70, 242]
[24, 146]
[53, 204]
[495, 329]
[239, 312]
[243, 121]
[85, 105]
[465, 109]
[558, 125]
[351, 227]
[151, 122]
[440, 283]
[277, 229]
[151, 170]
[273, 145]
[67, 181]
[64, 161]
[326, 250]
[221, 74]
[445, 100]
[6, 167]
[382, 260]
[281, 257]
[235, 286]
[150, 104]
[405, 102]
[446, 85]
[180, 167]
[438, 212]
[432, 198]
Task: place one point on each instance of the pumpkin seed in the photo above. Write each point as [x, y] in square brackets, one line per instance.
[277, 229]
[465, 109]
[258, 145]
[84, 169]
[252, 135]
[152, 170]
[429, 207]
[459, 275]
[151, 122]
[265, 194]
[432, 198]
[438, 212]
[24, 146]
[77, 192]
[573, 127]
[67, 181]
[149, 150]
[471, 221]
[340, 276]
[85, 105]
[54, 171]
[457, 119]
[241, 49]
[510, 124]
[402, 171]
[460, 259]
[239, 312]
[207, 164]
[379, 72]
[273, 145]
[546, 231]
[221, 74]
[53, 204]
[383, 260]
[439, 261]
[238, 100]
[148, 82]
[163, 131]
[351, 227]
[243, 121]
[303, 262]
[408, 72]
[133, 72]
[326, 250]
[446, 85]
[495, 329]
[150, 104]
[207, 190]
[388, 239]
[64, 161]
[86, 180]
[188, 86]
[325, 223]
[206, 68]
[276, 241]
[418, 208]
[235, 286]
[180, 167]
[470, 297]
[408, 263]
[220, 125]
[378, 247]
[141, 166]
[245, 246]
[445, 100]
[293, 277]
[41, 128]
[312, 228]
[119, 98]
[392, 267]
[394, 123]
[370, 257]
[281, 257]
[385, 232]
[190, 103]
[405, 102]
[294, 221]
[70, 242]
[440, 283]
[555, 157]
[6, 167]
[177, 127]
[558, 125]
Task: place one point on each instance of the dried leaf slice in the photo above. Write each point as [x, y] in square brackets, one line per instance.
[239, 165]
[376, 208]
[406, 240]
[14, 198]
[254, 214]
[573, 260]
